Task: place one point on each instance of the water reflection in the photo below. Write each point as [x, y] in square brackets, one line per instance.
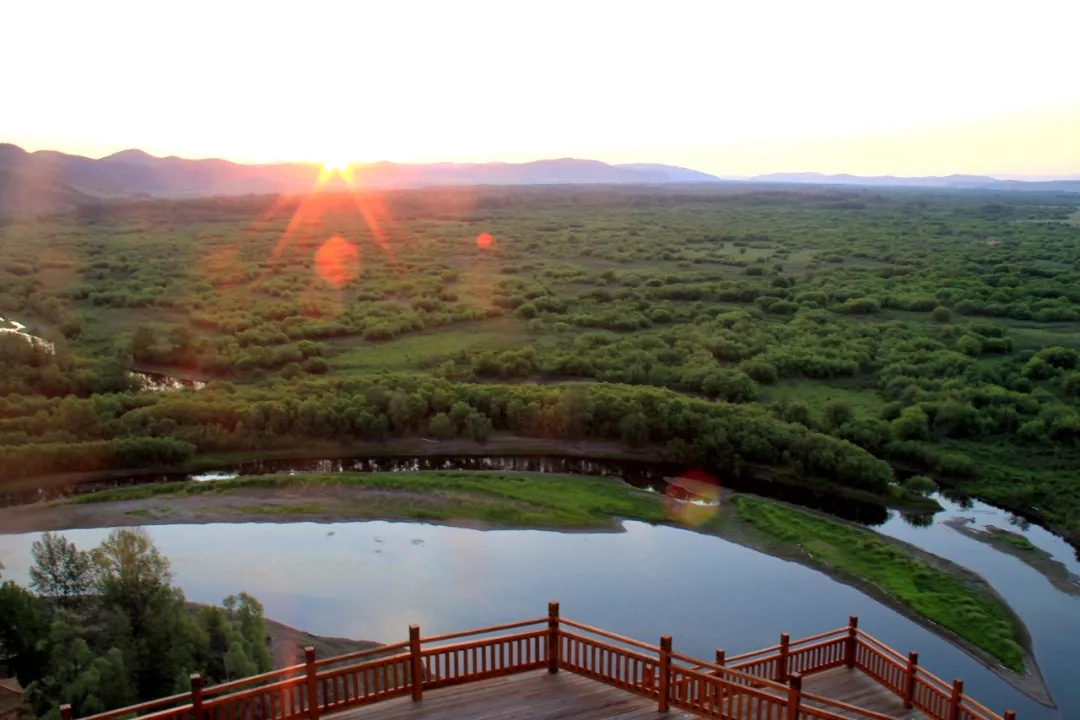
[642, 474]
[158, 382]
[14, 327]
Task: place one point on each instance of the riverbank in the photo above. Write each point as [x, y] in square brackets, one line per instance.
[482, 499]
[942, 596]
[938, 594]
[206, 462]
[752, 478]
[1022, 549]
[287, 644]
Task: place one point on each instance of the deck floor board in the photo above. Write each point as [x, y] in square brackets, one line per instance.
[855, 688]
[540, 696]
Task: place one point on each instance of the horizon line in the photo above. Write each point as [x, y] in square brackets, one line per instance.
[1014, 177]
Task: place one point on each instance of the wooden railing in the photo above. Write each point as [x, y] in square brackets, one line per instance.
[764, 684]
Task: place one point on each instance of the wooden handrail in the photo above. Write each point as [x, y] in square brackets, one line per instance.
[629, 653]
[303, 691]
[820, 636]
[793, 644]
[927, 675]
[381, 650]
[252, 680]
[609, 635]
[871, 640]
[141, 707]
[747, 655]
[971, 704]
[483, 631]
[722, 672]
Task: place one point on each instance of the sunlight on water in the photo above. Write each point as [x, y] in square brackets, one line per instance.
[19, 329]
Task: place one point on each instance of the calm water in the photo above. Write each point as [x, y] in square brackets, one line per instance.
[370, 580]
[1052, 617]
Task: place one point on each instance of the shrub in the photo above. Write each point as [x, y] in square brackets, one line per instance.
[920, 485]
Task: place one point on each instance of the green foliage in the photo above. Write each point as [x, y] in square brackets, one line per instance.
[794, 299]
[971, 611]
[121, 634]
[60, 571]
[24, 626]
[940, 314]
[557, 501]
[920, 485]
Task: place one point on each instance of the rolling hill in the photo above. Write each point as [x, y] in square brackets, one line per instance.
[47, 181]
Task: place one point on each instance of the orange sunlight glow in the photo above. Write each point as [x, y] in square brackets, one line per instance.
[335, 164]
[337, 261]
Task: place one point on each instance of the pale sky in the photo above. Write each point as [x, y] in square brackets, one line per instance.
[732, 88]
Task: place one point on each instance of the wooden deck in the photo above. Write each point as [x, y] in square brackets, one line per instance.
[553, 667]
[529, 696]
[855, 688]
[540, 696]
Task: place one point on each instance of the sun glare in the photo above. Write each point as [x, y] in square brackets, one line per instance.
[335, 164]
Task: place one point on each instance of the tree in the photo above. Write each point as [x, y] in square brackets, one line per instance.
[940, 314]
[142, 344]
[245, 615]
[441, 426]
[634, 429]
[920, 485]
[60, 570]
[399, 411]
[134, 579]
[838, 412]
[24, 625]
[76, 676]
[912, 424]
[970, 344]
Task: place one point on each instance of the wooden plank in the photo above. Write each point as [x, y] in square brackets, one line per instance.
[855, 688]
[529, 696]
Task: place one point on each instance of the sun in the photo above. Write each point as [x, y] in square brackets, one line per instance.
[335, 163]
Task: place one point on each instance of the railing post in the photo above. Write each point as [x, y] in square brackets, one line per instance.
[909, 684]
[956, 699]
[196, 696]
[65, 712]
[665, 672]
[852, 640]
[553, 637]
[721, 658]
[794, 696]
[781, 664]
[1009, 715]
[415, 664]
[312, 684]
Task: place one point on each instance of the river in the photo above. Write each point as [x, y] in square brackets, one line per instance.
[369, 580]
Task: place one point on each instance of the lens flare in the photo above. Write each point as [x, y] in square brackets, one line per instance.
[337, 262]
[484, 241]
[335, 164]
[692, 498]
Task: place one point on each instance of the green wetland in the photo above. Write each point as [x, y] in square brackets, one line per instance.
[876, 346]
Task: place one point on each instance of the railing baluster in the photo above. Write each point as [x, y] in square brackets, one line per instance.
[312, 684]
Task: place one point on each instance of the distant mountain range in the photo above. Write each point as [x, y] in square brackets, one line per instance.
[975, 182]
[48, 181]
